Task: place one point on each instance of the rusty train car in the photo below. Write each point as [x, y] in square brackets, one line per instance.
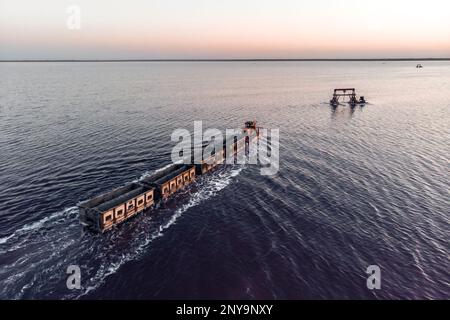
[107, 210]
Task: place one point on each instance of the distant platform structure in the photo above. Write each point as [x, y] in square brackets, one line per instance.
[343, 93]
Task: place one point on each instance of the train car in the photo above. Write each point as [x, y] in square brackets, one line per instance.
[106, 210]
[103, 212]
[211, 161]
[168, 181]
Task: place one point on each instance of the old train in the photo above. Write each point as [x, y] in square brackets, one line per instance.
[107, 210]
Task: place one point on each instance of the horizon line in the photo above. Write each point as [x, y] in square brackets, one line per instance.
[229, 60]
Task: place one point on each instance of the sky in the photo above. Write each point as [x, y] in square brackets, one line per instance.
[223, 29]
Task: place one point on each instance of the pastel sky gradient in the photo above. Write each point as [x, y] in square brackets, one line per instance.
[196, 29]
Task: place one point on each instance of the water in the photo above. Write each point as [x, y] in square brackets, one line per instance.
[356, 187]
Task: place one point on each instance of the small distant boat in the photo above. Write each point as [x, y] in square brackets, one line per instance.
[419, 66]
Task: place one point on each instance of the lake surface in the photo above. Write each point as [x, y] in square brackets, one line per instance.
[356, 186]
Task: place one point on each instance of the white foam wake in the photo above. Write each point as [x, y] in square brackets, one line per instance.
[216, 184]
[37, 224]
[148, 173]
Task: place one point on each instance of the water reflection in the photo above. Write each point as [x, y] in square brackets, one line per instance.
[346, 111]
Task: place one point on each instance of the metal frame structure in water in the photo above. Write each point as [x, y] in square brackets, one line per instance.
[346, 92]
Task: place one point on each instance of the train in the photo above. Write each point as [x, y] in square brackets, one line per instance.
[112, 208]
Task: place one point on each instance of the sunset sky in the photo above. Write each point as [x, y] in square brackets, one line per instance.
[196, 29]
